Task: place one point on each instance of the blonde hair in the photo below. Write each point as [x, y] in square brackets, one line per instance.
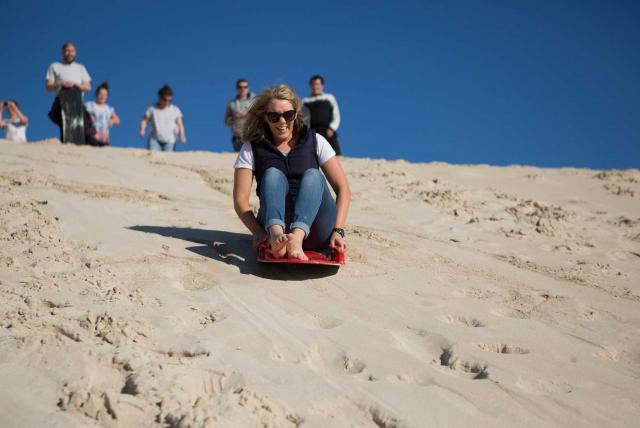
[255, 129]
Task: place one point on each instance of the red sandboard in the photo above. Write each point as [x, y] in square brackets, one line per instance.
[332, 258]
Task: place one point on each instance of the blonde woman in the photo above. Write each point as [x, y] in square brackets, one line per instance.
[297, 210]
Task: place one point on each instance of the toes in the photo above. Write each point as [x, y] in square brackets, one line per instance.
[278, 245]
[300, 255]
[279, 240]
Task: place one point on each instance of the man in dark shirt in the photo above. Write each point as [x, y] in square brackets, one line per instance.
[324, 112]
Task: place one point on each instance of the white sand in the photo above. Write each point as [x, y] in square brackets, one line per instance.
[473, 296]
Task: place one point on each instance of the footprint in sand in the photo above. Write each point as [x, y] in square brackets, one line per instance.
[334, 359]
[501, 348]
[380, 417]
[222, 382]
[472, 370]
[352, 365]
[463, 321]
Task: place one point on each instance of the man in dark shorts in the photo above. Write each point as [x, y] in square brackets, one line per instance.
[324, 112]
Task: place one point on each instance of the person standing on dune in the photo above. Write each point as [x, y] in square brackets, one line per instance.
[324, 112]
[66, 75]
[236, 112]
[15, 125]
[166, 123]
[103, 117]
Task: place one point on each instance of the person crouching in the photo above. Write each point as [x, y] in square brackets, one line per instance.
[297, 210]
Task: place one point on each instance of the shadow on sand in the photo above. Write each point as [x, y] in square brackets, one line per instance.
[235, 249]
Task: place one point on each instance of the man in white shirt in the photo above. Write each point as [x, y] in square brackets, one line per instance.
[66, 75]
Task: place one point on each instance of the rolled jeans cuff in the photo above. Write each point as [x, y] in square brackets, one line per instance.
[273, 222]
[302, 226]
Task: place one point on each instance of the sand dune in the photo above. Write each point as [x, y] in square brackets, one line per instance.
[473, 296]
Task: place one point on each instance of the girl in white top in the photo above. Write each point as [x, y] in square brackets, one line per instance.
[103, 115]
[15, 125]
[166, 123]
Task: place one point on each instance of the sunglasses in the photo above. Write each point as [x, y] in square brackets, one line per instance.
[274, 116]
[243, 87]
[167, 100]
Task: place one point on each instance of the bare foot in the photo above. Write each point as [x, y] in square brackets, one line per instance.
[294, 245]
[278, 241]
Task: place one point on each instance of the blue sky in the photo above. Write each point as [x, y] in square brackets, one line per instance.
[547, 83]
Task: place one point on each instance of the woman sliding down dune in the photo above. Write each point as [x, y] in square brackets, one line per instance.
[297, 210]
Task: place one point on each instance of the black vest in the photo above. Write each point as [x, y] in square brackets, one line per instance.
[302, 157]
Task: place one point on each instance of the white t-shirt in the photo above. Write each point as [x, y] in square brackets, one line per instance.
[101, 115]
[15, 131]
[74, 73]
[245, 157]
[163, 122]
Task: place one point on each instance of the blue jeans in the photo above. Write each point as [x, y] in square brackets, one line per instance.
[159, 146]
[314, 210]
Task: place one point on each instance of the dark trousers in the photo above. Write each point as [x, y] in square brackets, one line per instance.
[55, 114]
[333, 141]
